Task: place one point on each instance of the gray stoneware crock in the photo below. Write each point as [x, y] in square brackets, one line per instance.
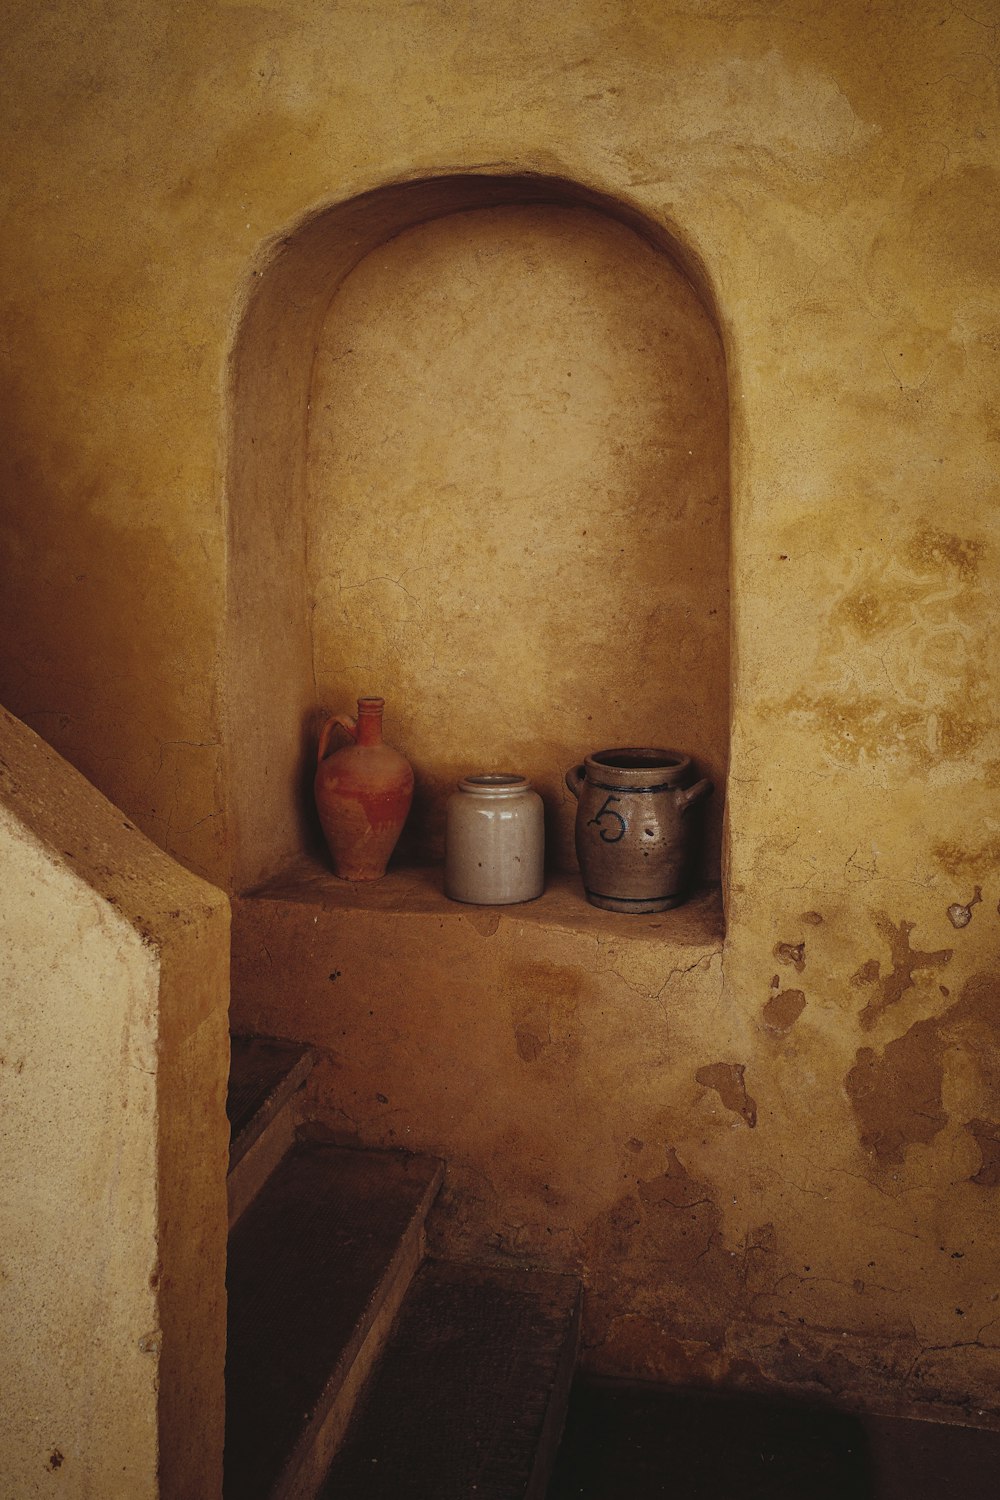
[633, 835]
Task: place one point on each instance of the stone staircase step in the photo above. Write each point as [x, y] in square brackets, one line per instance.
[469, 1398]
[318, 1266]
[264, 1075]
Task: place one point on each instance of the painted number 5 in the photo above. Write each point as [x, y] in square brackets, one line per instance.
[612, 833]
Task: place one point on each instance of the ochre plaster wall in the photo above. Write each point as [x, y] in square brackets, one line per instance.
[833, 170]
[518, 519]
[79, 1189]
[113, 1052]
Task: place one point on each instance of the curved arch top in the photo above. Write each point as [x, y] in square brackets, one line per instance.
[330, 241]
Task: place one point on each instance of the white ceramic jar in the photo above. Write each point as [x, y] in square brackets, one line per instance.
[494, 841]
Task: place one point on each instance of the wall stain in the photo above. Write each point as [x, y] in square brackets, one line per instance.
[874, 725]
[873, 608]
[897, 1094]
[958, 859]
[905, 962]
[783, 1010]
[986, 1134]
[659, 1252]
[867, 974]
[529, 1046]
[933, 550]
[727, 1081]
[543, 1002]
[814, 918]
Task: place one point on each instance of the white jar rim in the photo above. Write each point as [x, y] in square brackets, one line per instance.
[495, 785]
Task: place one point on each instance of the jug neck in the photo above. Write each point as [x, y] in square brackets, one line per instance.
[370, 721]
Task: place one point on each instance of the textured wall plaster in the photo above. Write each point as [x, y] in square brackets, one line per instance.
[79, 1189]
[834, 168]
[112, 1066]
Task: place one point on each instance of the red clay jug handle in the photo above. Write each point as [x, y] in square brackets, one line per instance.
[692, 794]
[575, 777]
[343, 721]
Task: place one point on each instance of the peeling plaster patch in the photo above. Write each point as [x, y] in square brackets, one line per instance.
[961, 916]
[659, 1252]
[897, 1095]
[727, 1081]
[905, 962]
[791, 953]
[986, 1134]
[814, 918]
[782, 1011]
[672, 1219]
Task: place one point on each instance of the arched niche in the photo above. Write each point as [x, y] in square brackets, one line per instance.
[478, 464]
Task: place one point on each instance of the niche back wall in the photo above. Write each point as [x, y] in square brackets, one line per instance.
[517, 513]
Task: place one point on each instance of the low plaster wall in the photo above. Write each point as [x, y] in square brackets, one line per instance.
[113, 1051]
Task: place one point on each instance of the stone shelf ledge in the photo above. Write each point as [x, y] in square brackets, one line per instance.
[413, 890]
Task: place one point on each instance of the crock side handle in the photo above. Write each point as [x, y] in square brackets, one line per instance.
[575, 777]
[342, 721]
[692, 794]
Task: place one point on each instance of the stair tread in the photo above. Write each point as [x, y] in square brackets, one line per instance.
[459, 1404]
[263, 1072]
[308, 1266]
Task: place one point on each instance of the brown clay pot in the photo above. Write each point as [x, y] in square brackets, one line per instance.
[363, 794]
[632, 832]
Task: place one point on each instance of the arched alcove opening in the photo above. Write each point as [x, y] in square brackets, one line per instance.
[479, 464]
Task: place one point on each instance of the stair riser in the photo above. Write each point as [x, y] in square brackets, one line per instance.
[257, 1163]
[555, 1416]
[319, 1443]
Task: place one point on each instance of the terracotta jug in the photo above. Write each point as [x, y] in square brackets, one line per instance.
[632, 832]
[363, 794]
